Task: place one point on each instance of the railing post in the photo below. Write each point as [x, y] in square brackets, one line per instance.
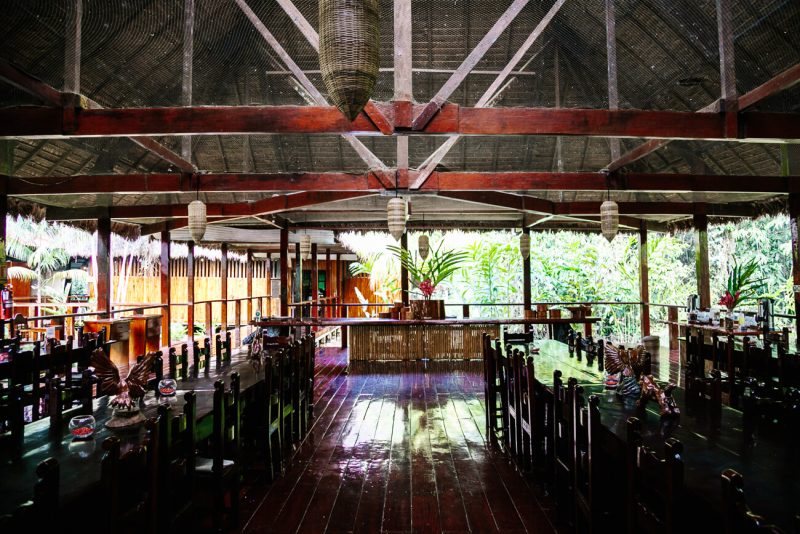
[209, 311]
[344, 328]
[238, 319]
[465, 310]
[284, 271]
[587, 327]
[672, 318]
[166, 289]
[644, 282]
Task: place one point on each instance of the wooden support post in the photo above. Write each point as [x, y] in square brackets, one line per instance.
[328, 289]
[268, 267]
[404, 272]
[72, 48]
[526, 281]
[611, 56]
[298, 281]
[249, 275]
[188, 68]
[345, 310]
[314, 281]
[465, 311]
[672, 318]
[166, 290]
[223, 280]
[701, 260]
[791, 163]
[284, 268]
[209, 312]
[644, 284]
[6, 164]
[238, 318]
[190, 293]
[104, 265]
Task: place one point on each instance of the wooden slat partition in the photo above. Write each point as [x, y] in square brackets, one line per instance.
[415, 342]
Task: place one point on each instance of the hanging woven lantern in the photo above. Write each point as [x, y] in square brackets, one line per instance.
[349, 50]
[396, 212]
[305, 246]
[525, 245]
[424, 246]
[609, 219]
[197, 220]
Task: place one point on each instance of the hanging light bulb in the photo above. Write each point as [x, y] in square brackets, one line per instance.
[197, 220]
[609, 218]
[525, 245]
[305, 246]
[396, 214]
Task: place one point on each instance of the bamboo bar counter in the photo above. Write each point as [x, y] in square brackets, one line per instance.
[417, 339]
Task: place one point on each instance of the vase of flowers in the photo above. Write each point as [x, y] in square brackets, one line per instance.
[740, 287]
[426, 275]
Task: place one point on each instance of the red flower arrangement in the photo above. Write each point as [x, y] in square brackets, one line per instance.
[730, 301]
[427, 288]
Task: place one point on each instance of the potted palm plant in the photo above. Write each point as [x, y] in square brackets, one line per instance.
[741, 287]
[426, 275]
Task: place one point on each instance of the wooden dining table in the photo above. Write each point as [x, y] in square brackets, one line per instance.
[79, 460]
[712, 443]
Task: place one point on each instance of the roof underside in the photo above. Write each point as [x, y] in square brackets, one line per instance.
[667, 57]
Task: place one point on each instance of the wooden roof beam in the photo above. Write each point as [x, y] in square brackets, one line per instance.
[31, 122]
[53, 97]
[368, 182]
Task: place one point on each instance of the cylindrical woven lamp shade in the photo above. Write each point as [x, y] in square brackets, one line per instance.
[424, 246]
[349, 52]
[396, 213]
[305, 246]
[525, 245]
[197, 220]
[609, 219]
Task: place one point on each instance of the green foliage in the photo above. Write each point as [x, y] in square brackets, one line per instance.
[437, 267]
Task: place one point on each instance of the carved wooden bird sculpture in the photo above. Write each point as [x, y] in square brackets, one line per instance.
[127, 390]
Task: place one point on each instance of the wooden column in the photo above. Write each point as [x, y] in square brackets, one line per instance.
[340, 283]
[328, 293]
[249, 275]
[223, 285]
[404, 271]
[791, 164]
[701, 259]
[284, 274]
[104, 265]
[644, 283]
[269, 284]
[166, 289]
[190, 292]
[314, 281]
[297, 295]
[526, 281]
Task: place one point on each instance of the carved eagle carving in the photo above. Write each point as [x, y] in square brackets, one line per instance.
[126, 389]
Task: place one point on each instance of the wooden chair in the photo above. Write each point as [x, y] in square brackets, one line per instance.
[739, 519]
[129, 484]
[494, 388]
[513, 433]
[175, 489]
[524, 372]
[41, 513]
[563, 475]
[220, 472]
[655, 485]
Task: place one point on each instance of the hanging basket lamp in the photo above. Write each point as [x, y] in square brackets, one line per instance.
[609, 219]
[305, 246]
[197, 220]
[525, 245]
[349, 52]
[396, 214]
[424, 246]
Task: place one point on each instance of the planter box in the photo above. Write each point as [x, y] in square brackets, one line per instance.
[428, 309]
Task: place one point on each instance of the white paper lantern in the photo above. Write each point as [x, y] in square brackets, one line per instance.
[396, 214]
[525, 245]
[424, 246]
[305, 246]
[609, 219]
[197, 220]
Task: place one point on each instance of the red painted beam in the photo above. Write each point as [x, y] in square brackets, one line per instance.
[451, 120]
[503, 200]
[205, 183]
[368, 182]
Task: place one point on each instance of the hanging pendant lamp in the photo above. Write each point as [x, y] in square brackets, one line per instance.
[609, 218]
[423, 244]
[305, 246]
[349, 52]
[396, 212]
[197, 218]
[525, 245]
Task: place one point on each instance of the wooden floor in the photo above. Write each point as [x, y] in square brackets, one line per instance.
[397, 448]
